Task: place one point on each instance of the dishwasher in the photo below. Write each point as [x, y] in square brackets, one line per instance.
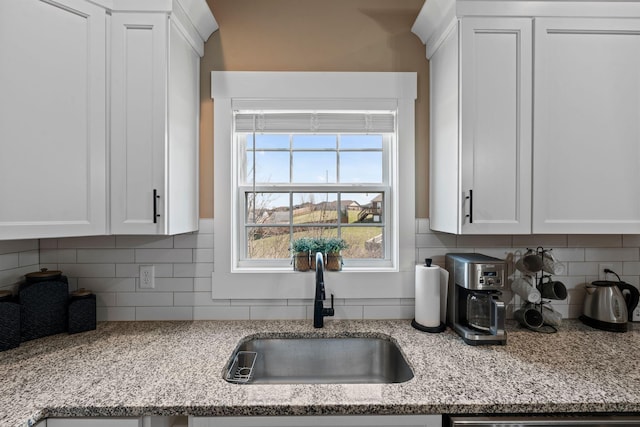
[547, 421]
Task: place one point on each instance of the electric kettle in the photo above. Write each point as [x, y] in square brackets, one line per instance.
[605, 306]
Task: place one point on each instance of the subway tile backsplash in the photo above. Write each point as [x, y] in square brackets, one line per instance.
[110, 265]
[17, 257]
[581, 255]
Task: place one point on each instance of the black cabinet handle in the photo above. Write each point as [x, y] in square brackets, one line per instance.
[155, 206]
[470, 214]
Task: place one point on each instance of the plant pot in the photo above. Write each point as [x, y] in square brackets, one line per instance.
[301, 261]
[333, 262]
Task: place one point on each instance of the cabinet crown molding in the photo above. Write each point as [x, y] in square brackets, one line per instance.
[438, 17]
[196, 11]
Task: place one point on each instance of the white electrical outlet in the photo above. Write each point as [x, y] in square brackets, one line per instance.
[601, 274]
[147, 276]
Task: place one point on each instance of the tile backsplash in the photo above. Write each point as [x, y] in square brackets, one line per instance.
[17, 257]
[110, 265]
[581, 255]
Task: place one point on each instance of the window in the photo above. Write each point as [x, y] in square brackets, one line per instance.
[278, 151]
[317, 174]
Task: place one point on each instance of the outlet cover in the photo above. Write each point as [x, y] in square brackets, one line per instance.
[147, 276]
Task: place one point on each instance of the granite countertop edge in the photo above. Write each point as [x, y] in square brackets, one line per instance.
[346, 409]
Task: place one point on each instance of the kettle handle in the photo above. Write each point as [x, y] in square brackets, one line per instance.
[631, 300]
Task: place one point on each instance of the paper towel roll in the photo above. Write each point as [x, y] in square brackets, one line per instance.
[429, 295]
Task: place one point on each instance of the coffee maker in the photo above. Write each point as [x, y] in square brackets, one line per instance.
[475, 310]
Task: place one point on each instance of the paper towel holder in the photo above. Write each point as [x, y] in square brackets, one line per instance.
[431, 329]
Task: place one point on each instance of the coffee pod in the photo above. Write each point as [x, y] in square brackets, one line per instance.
[529, 317]
[552, 289]
[525, 290]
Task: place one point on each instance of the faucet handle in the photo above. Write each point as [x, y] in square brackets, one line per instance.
[329, 311]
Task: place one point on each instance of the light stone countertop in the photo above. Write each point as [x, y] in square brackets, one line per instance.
[175, 368]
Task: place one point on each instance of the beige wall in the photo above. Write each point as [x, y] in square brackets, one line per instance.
[314, 35]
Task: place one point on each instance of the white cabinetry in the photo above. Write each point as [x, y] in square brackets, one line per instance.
[99, 111]
[154, 125]
[52, 118]
[582, 137]
[321, 421]
[587, 132]
[481, 128]
[94, 422]
[148, 421]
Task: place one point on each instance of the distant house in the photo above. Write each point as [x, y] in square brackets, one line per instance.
[279, 217]
[376, 203]
[372, 211]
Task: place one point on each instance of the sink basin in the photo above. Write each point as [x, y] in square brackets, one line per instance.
[343, 360]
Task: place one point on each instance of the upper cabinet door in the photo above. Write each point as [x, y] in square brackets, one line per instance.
[139, 136]
[495, 102]
[154, 125]
[587, 136]
[52, 119]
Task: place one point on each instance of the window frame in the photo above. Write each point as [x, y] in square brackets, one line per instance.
[385, 187]
[314, 90]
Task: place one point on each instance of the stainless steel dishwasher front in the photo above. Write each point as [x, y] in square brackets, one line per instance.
[547, 421]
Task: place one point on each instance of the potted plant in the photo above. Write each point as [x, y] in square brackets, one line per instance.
[331, 248]
[304, 250]
[301, 251]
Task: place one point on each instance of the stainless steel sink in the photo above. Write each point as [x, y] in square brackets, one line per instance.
[319, 360]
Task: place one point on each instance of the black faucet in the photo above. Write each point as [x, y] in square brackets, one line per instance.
[319, 312]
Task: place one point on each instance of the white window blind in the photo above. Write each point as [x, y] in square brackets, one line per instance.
[379, 122]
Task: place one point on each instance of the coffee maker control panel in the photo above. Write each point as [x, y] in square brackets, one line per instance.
[486, 276]
[476, 271]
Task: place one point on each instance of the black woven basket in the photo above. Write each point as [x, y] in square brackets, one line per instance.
[9, 324]
[82, 313]
[43, 307]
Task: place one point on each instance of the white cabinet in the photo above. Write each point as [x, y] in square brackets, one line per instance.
[320, 421]
[99, 114]
[52, 118]
[518, 148]
[147, 421]
[481, 128]
[154, 125]
[587, 133]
